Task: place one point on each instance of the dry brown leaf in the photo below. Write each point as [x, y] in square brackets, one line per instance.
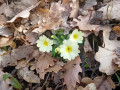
[113, 10]
[109, 54]
[53, 18]
[90, 59]
[32, 37]
[106, 84]
[116, 61]
[105, 57]
[16, 54]
[109, 44]
[90, 86]
[5, 41]
[55, 68]
[117, 51]
[98, 83]
[83, 22]
[75, 8]
[1, 1]
[3, 19]
[28, 75]
[8, 11]
[4, 31]
[43, 63]
[24, 13]
[89, 4]
[22, 64]
[72, 69]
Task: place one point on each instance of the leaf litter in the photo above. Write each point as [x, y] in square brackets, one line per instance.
[22, 22]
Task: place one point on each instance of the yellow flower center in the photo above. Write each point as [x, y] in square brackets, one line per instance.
[75, 36]
[68, 49]
[45, 43]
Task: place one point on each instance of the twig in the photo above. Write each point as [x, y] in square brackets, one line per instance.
[82, 59]
[46, 80]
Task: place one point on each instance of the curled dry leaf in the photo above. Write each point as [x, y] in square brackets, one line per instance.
[5, 41]
[16, 54]
[28, 75]
[75, 8]
[4, 31]
[109, 11]
[24, 13]
[72, 69]
[43, 63]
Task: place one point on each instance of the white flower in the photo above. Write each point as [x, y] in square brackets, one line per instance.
[69, 50]
[44, 44]
[77, 36]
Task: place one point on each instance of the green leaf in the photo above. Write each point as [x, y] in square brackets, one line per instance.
[117, 77]
[86, 66]
[5, 76]
[5, 48]
[15, 83]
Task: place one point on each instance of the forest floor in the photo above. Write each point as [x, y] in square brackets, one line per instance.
[59, 45]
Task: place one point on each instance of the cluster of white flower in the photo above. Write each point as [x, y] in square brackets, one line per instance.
[68, 50]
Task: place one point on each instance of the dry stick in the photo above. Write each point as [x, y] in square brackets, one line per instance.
[46, 79]
[82, 59]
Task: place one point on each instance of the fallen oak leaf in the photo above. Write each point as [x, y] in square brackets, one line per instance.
[83, 22]
[44, 62]
[72, 69]
[58, 66]
[105, 59]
